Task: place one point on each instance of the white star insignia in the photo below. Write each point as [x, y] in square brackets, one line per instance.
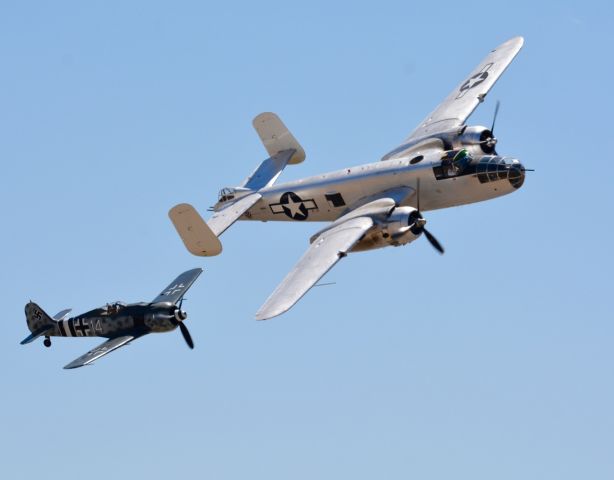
[294, 207]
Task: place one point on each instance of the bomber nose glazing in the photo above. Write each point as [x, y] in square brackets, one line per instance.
[493, 167]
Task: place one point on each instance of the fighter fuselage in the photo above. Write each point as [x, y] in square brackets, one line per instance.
[139, 318]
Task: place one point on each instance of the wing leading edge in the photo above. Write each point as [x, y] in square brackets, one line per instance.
[177, 288]
[464, 99]
[326, 250]
[100, 351]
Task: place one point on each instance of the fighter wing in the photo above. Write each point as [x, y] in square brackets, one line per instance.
[178, 287]
[100, 351]
[463, 100]
[325, 251]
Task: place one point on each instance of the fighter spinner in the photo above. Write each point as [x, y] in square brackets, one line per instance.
[119, 322]
[442, 163]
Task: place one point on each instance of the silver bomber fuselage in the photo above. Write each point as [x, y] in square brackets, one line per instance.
[355, 184]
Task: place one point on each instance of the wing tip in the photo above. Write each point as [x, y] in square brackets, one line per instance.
[73, 365]
[517, 42]
[267, 313]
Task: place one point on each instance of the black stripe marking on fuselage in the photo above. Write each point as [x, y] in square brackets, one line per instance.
[71, 327]
[62, 329]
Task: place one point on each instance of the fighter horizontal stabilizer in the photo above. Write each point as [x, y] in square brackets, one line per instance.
[198, 238]
[37, 333]
[61, 315]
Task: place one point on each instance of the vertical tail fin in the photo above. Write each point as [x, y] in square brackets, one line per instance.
[39, 322]
[37, 318]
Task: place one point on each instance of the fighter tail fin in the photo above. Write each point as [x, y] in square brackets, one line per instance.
[39, 322]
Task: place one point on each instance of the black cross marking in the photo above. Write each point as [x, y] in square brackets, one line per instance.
[81, 327]
[174, 289]
[474, 80]
[293, 206]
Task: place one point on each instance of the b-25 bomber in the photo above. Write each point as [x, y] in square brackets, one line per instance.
[119, 322]
[442, 163]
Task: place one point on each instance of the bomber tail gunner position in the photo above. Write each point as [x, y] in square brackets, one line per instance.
[119, 322]
[442, 163]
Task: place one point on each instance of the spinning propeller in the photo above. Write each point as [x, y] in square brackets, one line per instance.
[491, 141]
[177, 319]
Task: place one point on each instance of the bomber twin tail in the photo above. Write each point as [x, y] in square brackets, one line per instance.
[119, 322]
[442, 163]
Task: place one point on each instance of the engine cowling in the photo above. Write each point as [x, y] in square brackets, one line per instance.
[476, 139]
[401, 227]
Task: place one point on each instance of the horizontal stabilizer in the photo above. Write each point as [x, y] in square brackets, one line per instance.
[276, 137]
[62, 314]
[198, 238]
[37, 333]
[226, 216]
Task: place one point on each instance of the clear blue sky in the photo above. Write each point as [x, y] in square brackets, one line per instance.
[493, 361]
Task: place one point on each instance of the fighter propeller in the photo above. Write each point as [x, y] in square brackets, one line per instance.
[177, 319]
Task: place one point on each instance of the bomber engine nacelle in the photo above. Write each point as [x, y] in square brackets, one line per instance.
[403, 225]
[476, 139]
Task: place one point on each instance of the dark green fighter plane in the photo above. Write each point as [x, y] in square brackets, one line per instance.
[119, 322]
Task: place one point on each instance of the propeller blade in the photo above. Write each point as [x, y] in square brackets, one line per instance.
[186, 335]
[433, 241]
[494, 118]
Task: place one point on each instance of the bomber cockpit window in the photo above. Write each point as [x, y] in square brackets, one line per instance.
[453, 164]
[226, 194]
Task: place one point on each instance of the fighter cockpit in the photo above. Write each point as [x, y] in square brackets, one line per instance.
[113, 308]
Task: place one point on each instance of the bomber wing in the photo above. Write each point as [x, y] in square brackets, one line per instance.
[464, 99]
[326, 250]
[328, 246]
[101, 350]
[176, 290]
